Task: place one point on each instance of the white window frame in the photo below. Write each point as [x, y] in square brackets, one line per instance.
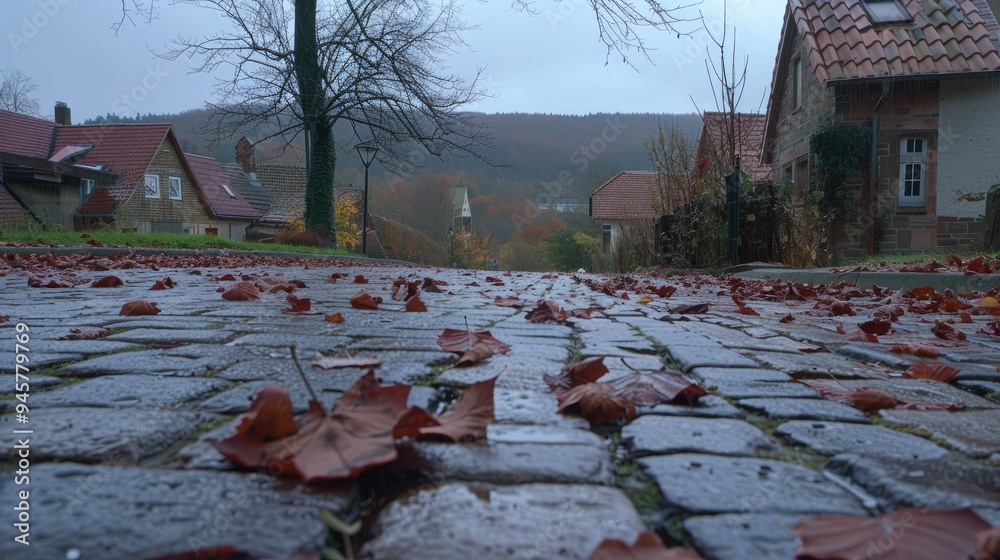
[151, 185]
[607, 237]
[912, 158]
[88, 186]
[170, 189]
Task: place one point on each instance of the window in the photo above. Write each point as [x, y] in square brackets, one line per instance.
[87, 185]
[912, 171]
[796, 82]
[886, 12]
[175, 188]
[152, 186]
[228, 191]
[606, 238]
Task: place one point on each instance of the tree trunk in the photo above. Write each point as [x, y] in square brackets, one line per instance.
[319, 130]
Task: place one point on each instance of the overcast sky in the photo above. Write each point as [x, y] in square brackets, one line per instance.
[552, 62]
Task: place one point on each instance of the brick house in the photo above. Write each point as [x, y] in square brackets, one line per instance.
[747, 131]
[628, 197]
[920, 79]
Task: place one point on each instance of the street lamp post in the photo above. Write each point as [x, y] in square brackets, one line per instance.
[367, 153]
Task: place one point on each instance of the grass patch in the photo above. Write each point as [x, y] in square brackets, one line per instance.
[995, 397]
[430, 378]
[155, 240]
[796, 454]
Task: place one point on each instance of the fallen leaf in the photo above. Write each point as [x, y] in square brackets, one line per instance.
[225, 278]
[270, 417]
[108, 282]
[856, 335]
[414, 304]
[4, 318]
[917, 534]
[479, 352]
[647, 547]
[598, 403]
[362, 300]
[430, 285]
[992, 328]
[360, 279]
[468, 420]
[515, 302]
[744, 309]
[666, 291]
[138, 307]
[878, 327]
[335, 318]
[946, 331]
[787, 318]
[459, 342]
[214, 553]
[650, 389]
[989, 301]
[546, 311]
[965, 318]
[159, 285]
[243, 291]
[77, 334]
[827, 307]
[298, 305]
[645, 299]
[921, 293]
[578, 373]
[870, 401]
[690, 309]
[327, 362]
[916, 350]
[581, 313]
[988, 545]
[930, 370]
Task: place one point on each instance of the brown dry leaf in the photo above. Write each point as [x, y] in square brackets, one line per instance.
[108, 282]
[460, 342]
[598, 403]
[77, 334]
[360, 279]
[870, 400]
[878, 327]
[362, 300]
[415, 305]
[579, 373]
[650, 389]
[479, 352]
[335, 318]
[946, 331]
[514, 302]
[787, 318]
[159, 285]
[213, 553]
[270, 417]
[581, 313]
[916, 350]
[647, 547]
[328, 362]
[139, 307]
[242, 291]
[690, 309]
[930, 370]
[546, 311]
[468, 420]
[431, 285]
[913, 534]
[988, 545]
[298, 305]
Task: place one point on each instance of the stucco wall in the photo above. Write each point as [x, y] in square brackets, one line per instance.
[968, 140]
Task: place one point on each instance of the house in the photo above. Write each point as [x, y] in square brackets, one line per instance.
[919, 79]
[746, 130]
[221, 200]
[629, 197]
[134, 176]
[461, 215]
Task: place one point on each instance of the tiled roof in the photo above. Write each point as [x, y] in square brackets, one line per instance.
[627, 196]
[946, 36]
[287, 185]
[749, 130]
[26, 136]
[255, 194]
[127, 149]
[214, 182]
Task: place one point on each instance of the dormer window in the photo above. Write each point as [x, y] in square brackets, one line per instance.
[886, 12]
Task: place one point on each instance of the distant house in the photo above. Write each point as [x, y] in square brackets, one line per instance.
[461, 215]
[134, 176]
[921, 80]
[747, 133]
[627, 197]
[221, 199]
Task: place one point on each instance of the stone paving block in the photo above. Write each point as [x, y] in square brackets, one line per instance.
[92, 435]
[817, 366]
[553, 435]
[748, 345]
[144, 513]
[186, 323]
[304, 344]
[710, 484]
[978, 372]
[972, 432]
[550, 521]
[126, 391]
[258, 369]
[531, 407]
[749, 536]
[875, 353]
[42, 347]
[898, 483]
[42, 360]
[664, 434]
[805, 409]
[516, 463]
[327, 384]
[691, 357]
[709, 406]
[832, 438]
[739, 383]
[916, 390]
[982, 387]
[511, 373]
[154, 362]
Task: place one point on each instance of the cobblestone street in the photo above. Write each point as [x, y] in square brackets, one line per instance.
[121, 465]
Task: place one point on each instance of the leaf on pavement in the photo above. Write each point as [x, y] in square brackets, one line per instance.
[108, 282]
[77, 334]
[914, 534]
[468, 420]
[479, 352]
[598, 403]
[787, 318]
[139, 307]
[415, 305]
[242, 291]
[515, 302]
[298, 305]
[460, 342]
[328, 362]
[947, 332]
[335, 318]
[992, 328]
[362, 300]
[213, 553]
[579, 373]
[988, 545]
[431, 285]
[744, 309]
[930, 370]
[546, 311]
[690, 309]
[916, 350]
[647, 547]
[878, 327]
[270, 417]
[360, 279]
[581, 313]
[650, 389]
[870, 400]
[856, 335]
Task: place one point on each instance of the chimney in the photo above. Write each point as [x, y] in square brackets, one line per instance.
[63, 114]
[245, 155]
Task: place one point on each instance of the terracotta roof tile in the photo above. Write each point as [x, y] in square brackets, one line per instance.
[946, 36]
[627, 196]
[750, 142]
[214, 182]
[26, 136]
[254, 194]
[287, 185]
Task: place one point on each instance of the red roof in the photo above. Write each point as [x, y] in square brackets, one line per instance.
[220, 195]
[749, 131]
[26, 136]
[946, 36]
[126, 149]
[627, 196]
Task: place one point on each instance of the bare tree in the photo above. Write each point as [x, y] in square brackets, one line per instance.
[17, 93]
[672, 154]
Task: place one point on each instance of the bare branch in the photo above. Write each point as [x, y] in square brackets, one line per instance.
[17, 91]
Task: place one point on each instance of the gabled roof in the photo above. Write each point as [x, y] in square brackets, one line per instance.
[626, 196]
[223, 200]
[252, 191]
[126, 149]
[26, 136]
[287, 185]
[945, 37]
[749, 131]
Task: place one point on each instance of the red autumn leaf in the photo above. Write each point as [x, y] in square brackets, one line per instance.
[978, 265]
[965, 318]
[598, 403]
[953, 305]
[242, 291]
[827, 307]
[666, 291]
[857, 335]
[298, 305]
[108, 282]
[225, 278]
[647, 547]
[414, 304]
[650, 389]
[280, 287]
[515, 302]
[467, 421]
[479, 352]
[787, 319]
[744, 309]
[270, 417]
[579, 373]
[916, 350]
[581, 313]
[946, 331]
[955, 260]
[360, 279]
[328, 362]
[992, 328]
[159, 285]
[877, 327]
[930, 370]
[4, 318]
[459, 342]
[546, 311]
[214, 553]
[988, 545]
[921, 293]
[138, 307]
[910, 533]
[362, 300]
[335, 318]
[431, 285]
[333, 277]
[77, 334]
[690, 309]
[870, 400]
